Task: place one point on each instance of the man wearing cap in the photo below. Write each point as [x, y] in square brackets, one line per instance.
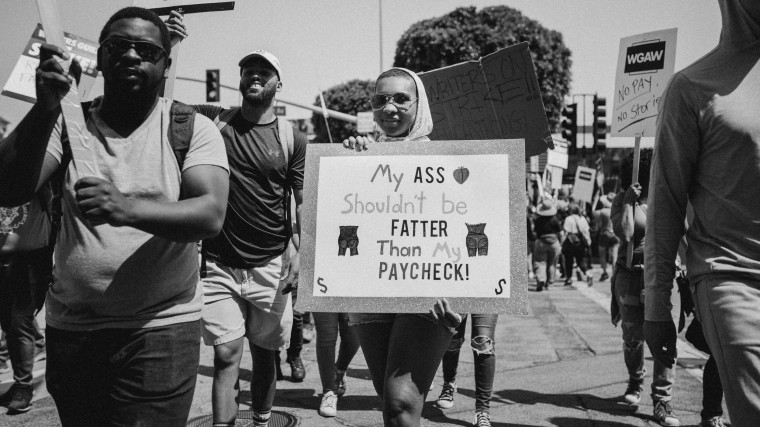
[247, 275]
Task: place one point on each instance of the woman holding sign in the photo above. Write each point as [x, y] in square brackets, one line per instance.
[403, 351]
[629, 215]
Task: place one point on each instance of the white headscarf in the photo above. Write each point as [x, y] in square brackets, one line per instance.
[423, 121]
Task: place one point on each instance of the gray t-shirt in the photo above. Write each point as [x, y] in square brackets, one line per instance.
[121, 277]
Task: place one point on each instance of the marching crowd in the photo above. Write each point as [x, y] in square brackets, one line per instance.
[114, 208]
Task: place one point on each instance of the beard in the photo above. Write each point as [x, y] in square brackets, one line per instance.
[264, 97]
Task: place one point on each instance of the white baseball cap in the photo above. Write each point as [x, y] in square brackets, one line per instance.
[266, 56]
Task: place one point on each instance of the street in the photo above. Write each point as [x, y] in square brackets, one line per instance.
[562, 365]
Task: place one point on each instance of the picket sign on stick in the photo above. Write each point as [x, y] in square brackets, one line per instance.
[634, 179]
[71, 105]
[169, 84]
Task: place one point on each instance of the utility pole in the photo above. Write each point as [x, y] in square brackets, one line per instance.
[380, 26]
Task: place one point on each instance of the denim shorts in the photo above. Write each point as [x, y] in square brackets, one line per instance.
[246, 302]
[365, 318]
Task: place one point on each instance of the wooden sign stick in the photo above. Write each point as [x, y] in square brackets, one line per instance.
[634, 179]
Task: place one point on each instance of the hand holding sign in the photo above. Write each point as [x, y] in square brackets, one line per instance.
[442, 311]
[176, 25]
[358, 143]
[52, 82]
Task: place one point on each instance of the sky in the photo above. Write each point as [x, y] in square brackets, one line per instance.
[321, 43]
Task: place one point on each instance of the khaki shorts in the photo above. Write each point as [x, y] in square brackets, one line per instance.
[246, 302]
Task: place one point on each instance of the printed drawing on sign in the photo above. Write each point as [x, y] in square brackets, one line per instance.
[645, 65]
[477, 241]
[412, 226]
[348, 239]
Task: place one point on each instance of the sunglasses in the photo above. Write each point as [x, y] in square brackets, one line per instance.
[147, 51]
[402, 101]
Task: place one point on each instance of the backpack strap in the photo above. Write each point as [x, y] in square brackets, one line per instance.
[181, 130]
[287, 140]
[223, 119]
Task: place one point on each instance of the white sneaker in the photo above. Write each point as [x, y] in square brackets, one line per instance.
[446, 399]
[329, 405]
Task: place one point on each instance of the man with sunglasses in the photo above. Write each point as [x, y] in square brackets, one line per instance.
[123, 313]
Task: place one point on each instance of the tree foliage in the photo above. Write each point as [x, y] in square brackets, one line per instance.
[350, 97]
[466, 34]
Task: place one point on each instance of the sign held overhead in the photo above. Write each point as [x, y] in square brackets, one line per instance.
[645, 65]
[495, 97]
[164, 7]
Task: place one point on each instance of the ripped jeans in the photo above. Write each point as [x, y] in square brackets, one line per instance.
[483, 351]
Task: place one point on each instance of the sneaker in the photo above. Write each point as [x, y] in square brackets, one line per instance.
[482, 419]
[713, 422]
[663, 414]
[446, 398]
[540, 286]
[297, 371]
[633, 392]
[340, 383]
[329, 405]
[604, 277]
[21, 399]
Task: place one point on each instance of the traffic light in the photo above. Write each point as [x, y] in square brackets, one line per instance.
[600, 122]
[212, 85]
[570, 125]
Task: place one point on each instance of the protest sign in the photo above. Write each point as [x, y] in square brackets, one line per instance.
[583, 188]
[71, 104]
[164, 7]
[20, 84]
[645, 65]
[395, 228]
[495, 97]
[557, 159]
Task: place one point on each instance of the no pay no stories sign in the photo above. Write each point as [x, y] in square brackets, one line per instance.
[395, 228]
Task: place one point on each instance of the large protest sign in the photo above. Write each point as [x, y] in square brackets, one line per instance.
[645, 65]
[495, 97]
[20, 84]
[163, 7]
[392, 229]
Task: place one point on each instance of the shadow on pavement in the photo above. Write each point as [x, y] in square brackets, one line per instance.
[581, 402]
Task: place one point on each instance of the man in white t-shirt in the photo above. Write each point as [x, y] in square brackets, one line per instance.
[123, 313]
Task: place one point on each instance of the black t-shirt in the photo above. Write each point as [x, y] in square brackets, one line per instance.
[255, 227]
[547, 225]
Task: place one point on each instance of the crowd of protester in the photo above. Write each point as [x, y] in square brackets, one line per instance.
[107, 243]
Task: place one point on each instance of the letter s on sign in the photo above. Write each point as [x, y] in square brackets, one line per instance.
[34, 50]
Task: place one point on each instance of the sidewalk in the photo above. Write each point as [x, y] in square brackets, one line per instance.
[562, 365]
